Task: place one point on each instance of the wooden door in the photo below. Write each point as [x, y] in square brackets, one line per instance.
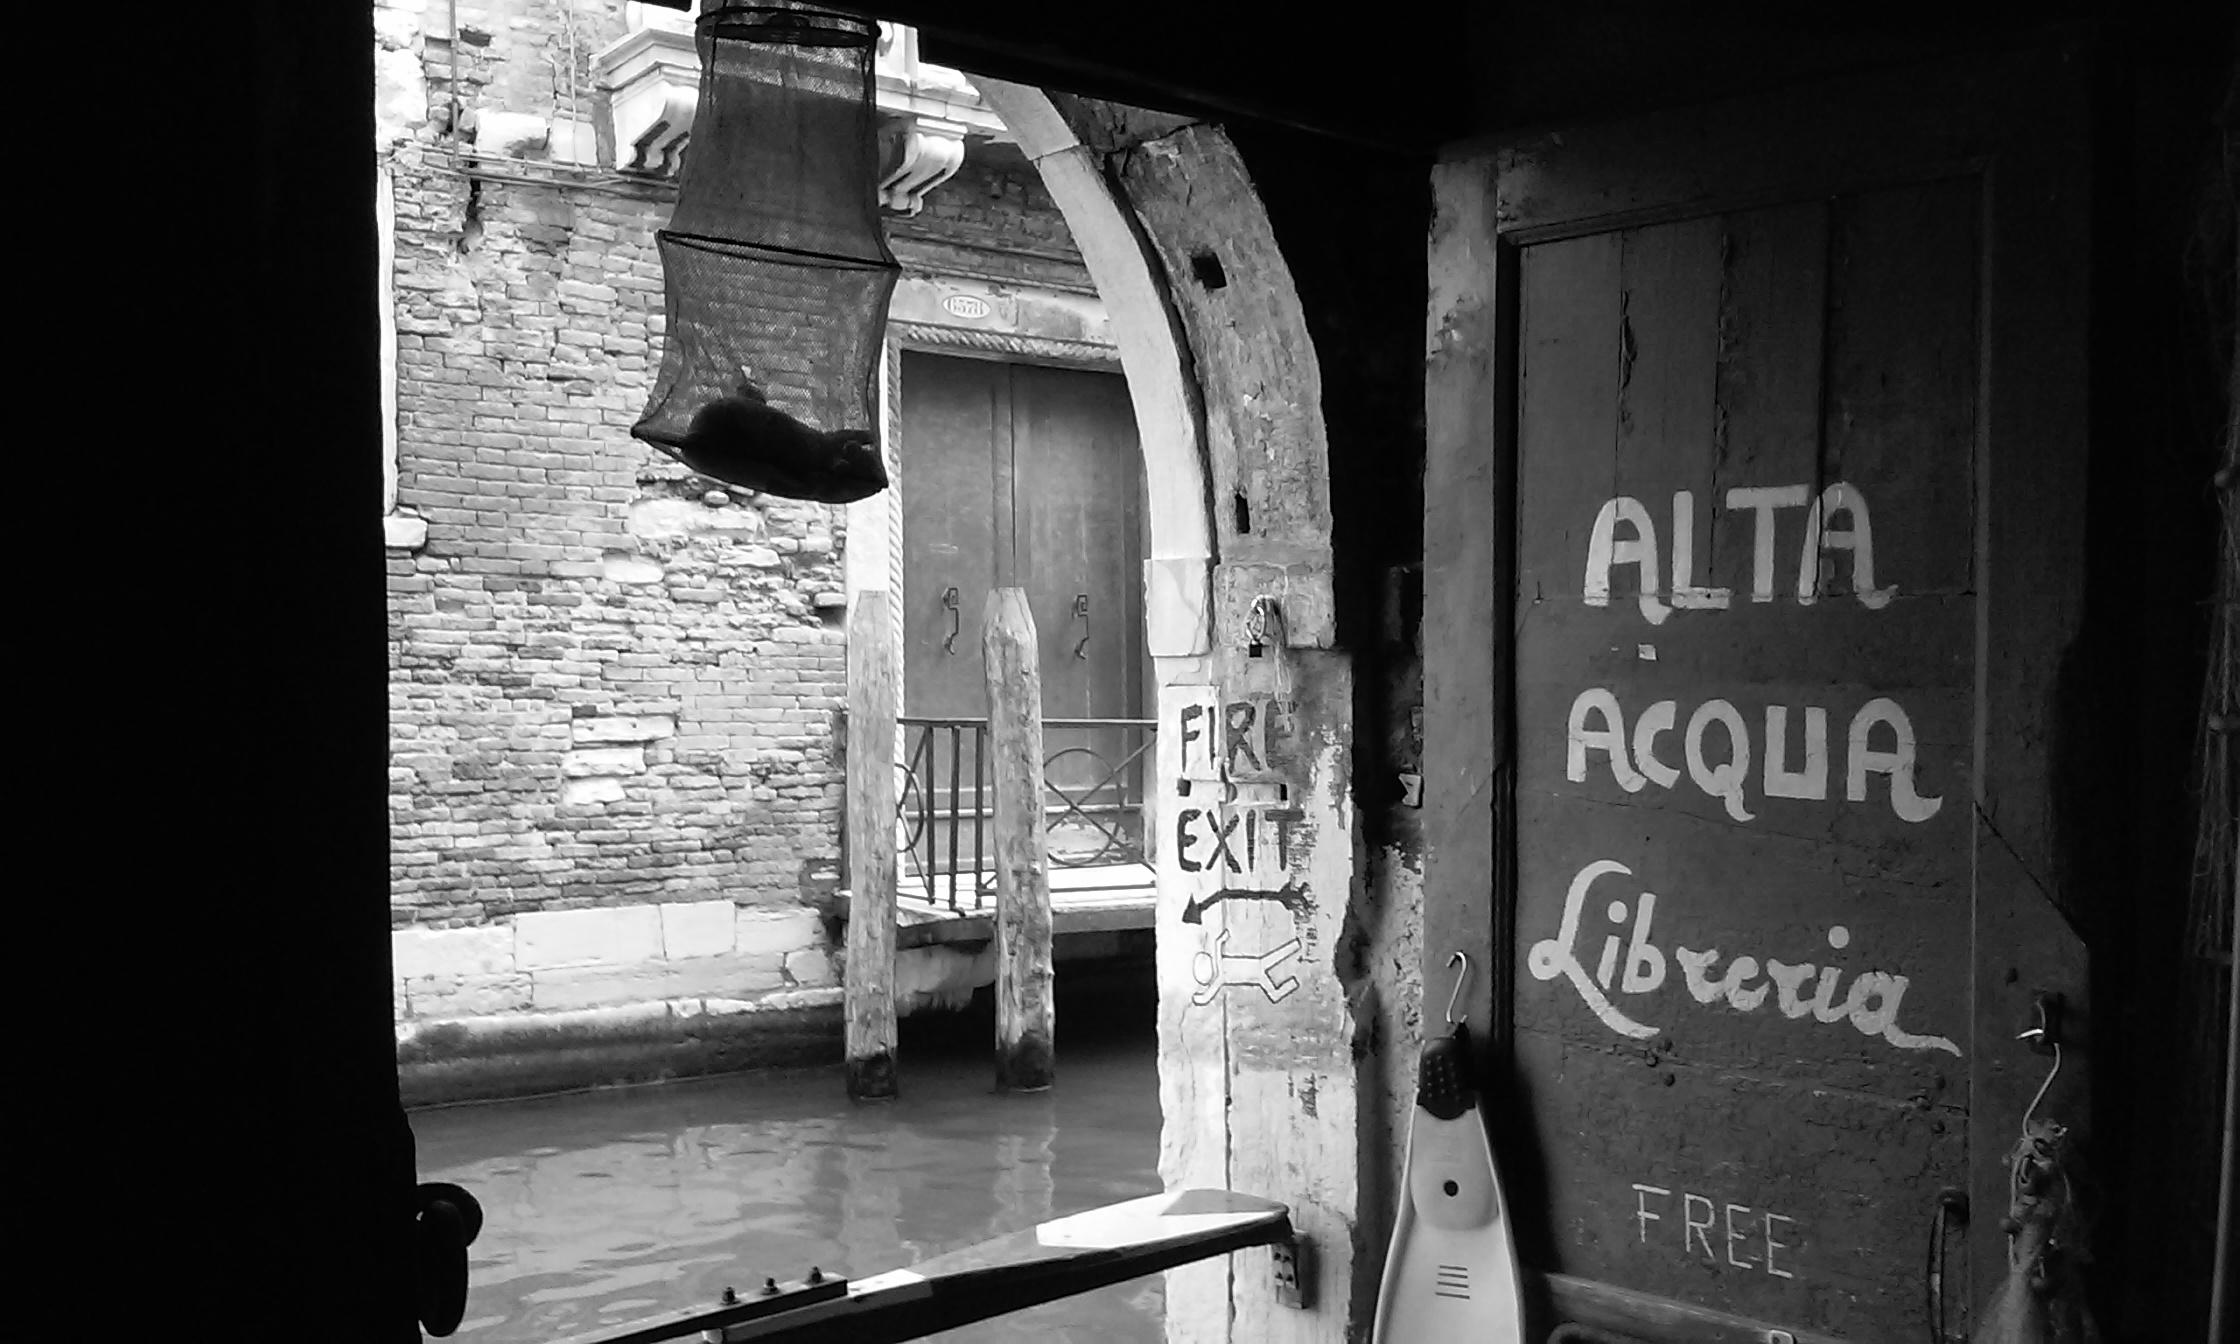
[955, 464]
[1783, 429]
[1077, 518]
[1027, 475]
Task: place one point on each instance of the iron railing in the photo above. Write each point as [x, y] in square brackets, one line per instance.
[1095, 776]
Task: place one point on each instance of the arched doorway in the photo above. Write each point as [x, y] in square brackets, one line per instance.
[1251, 800]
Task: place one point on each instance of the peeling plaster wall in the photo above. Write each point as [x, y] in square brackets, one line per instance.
[1255, 364]
[1259, 1064]
[1314, 423]
[1352, 222]
[1287, 1112]
[1288, 1077]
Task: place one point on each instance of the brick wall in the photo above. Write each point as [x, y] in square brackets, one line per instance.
[613, 683]
[519, 55]
[993, 220]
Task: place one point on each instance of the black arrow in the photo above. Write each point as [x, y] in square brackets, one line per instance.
[1292, 896]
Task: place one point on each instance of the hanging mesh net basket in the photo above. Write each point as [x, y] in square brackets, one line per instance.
[776, 268]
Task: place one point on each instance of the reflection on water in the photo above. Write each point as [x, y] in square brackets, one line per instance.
[608, 1206]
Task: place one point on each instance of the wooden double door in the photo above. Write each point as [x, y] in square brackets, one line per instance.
[1029, 476]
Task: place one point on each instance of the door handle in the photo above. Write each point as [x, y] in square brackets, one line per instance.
[1951, 1212]
[446, 1221]
[1081, 614]
[956, 622]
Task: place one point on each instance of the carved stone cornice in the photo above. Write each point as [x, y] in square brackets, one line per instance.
[928, 152]
[928, 113]
[910, 88]
[652, 82]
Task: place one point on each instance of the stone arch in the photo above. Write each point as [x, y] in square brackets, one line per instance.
[1220, 366]
[1168, 422]
[1228, 401]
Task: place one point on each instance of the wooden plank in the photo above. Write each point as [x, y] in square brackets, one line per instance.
[1082, 900]
[1060, 1257]
[774, 1300]
[1938, 118]
[1065, 882]
[1608, 1307]
[874, 667]
[949, 410]
[1569, 354]
[1669, 281]
[1003, 477]
[913, 909]
[1252, 352]
[1467, 484]
[1772, 323]
[1102, 877]
[1079, 473]
[1903, 279]
[1194, 1136]
[1063, 922]
[1292, 1060]
[1026, 1014]
[2031, 496]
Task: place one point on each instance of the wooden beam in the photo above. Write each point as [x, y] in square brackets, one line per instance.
[1467, 579]
[874, 668]
[1025, 1014]
[1402, 92]
[1604, 1306]
[1059, 1258]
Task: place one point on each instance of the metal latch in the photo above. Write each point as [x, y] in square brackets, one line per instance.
[1294, 1265]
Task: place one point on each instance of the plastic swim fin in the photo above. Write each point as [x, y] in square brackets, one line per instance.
[1451, 1273]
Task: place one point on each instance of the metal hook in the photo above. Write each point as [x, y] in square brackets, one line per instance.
[2051, 1074]
[2044, 1038]
[1263, 610]
[1459, 982]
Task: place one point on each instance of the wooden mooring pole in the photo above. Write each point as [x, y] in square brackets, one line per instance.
[873, 675]
[1026, 1018]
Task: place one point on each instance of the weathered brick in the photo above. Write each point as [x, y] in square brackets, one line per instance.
[733, 977]
[698, 929]
[611, 936]
[421, 953]
[810, 967]
[778, 933]
[464, 996]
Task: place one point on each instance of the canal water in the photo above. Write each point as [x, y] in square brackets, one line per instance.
[606, 1206]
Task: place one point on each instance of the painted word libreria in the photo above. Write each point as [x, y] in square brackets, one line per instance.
[1636, 965]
